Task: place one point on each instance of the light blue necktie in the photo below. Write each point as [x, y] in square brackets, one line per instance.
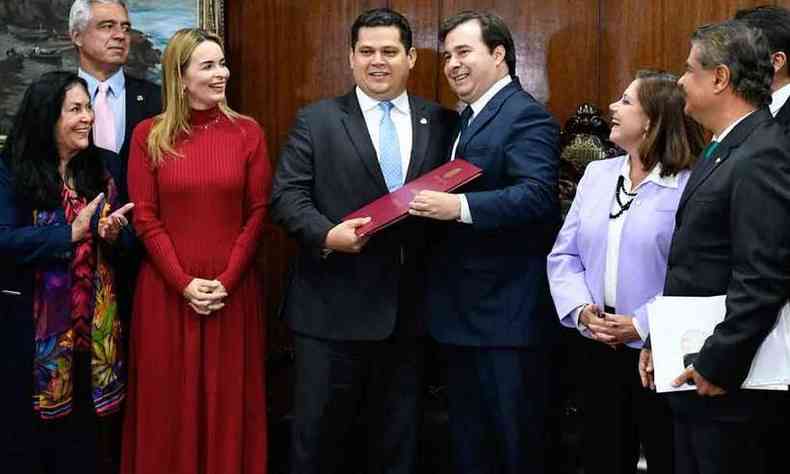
[389, 149]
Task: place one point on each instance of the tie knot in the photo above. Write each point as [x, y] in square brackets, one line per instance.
[466, 114]
[104, 87]
[386, 106]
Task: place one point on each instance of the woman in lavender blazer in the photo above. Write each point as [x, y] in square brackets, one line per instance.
[610, 259]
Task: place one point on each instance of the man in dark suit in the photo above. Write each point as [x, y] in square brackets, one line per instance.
[100, 30]
[732, 237]
[774, 22]
[351, 301]
[488, 299]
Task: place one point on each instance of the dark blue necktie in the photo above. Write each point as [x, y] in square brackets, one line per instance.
[466, 115]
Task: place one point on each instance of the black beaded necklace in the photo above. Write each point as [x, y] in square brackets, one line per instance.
[623, 207]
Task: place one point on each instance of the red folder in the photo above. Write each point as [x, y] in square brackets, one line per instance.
[393, 207]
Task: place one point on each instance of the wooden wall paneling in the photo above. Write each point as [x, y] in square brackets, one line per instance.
[423, 16]
[646, 33]
[556, 49]
[559, 43]
[632, 35]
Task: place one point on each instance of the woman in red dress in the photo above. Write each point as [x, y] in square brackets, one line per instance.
[200, 180]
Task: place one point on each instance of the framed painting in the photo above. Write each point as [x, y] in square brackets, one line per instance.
[34, 39]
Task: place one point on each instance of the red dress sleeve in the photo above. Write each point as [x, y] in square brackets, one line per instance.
[144, 193]
[258, 189]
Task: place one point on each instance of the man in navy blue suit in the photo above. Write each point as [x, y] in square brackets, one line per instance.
[488, 300]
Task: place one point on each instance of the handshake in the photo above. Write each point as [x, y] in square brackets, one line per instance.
[205, 296]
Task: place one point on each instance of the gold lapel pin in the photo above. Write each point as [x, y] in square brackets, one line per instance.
[139, 98]
[424, 121]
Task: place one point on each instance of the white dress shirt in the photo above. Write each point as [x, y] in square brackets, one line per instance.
[477, 106]
[401, 117]
[615, 233]
[116, 97]
[720, 137]
[778, 99]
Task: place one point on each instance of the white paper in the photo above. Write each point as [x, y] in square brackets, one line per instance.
[680, 325]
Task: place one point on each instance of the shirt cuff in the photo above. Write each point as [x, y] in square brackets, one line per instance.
[466, 214]
[642, 333]
[575, 314]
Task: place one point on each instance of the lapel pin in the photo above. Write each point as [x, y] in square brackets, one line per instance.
[139, 98]
[424, 121]
[718, 160]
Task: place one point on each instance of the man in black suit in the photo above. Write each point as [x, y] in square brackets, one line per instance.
[732, 237]
[351, 301]
[774, 22]
[488, 300]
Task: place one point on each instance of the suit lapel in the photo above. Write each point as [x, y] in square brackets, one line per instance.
[421, 134]
[135, 107]
[489, 112]
[357, 130]
[706, 166]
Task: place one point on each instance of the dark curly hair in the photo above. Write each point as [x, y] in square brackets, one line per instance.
[32, 153]
[744, 51]
[773, 21]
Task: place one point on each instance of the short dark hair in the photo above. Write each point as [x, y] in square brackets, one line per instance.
[673, 138]
[773, 21]
[493, 30]
[32, 149]
[744, 51]
[382, 17]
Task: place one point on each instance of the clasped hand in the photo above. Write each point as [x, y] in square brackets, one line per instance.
[205, 296]
[612, 329]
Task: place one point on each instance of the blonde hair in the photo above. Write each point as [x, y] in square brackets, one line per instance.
[174, 120]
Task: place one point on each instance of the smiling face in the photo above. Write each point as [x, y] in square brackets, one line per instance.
[206, 76]
[470, 67]
[104, 44]
[380, 62]
[629, 121]
[72, 130]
